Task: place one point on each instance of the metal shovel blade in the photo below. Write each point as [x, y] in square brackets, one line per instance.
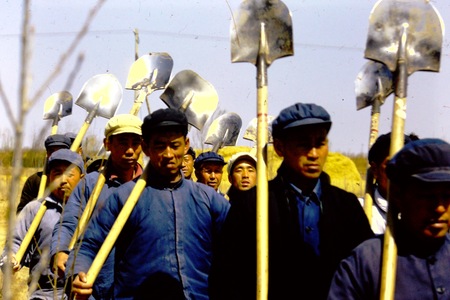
[193, 95]
[102, 92]
[251, 132]
[246, 31]
[374, 81]
[58, 106]
[150, 70]
[224, 131]
[425, 34]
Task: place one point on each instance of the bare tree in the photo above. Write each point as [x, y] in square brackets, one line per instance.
[25, 103]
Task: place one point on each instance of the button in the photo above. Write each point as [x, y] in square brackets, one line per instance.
[309, 229]
[440, 290]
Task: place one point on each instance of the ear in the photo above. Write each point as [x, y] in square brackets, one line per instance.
[145, 147]
[187, 145]
[106, 144]
[278, 145]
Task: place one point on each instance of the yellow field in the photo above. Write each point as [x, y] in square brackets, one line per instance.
[341, 169]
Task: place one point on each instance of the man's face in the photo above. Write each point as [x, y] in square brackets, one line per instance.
[210, 173]
[166, 151]
[125, 150]
[243, 176]
[304, 151]
[425, 209]
[65, 177]
[188, 166]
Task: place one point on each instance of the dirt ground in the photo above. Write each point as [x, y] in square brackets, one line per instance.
[19, 286]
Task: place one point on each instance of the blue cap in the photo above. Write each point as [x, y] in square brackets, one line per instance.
[210, 157]
[66, 155]
[300, 114]
[426, 160]
[60, 140]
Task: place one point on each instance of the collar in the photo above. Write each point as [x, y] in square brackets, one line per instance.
[112, 173]
[379, 201]
[159, 182]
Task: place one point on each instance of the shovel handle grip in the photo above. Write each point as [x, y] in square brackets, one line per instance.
[116, 229]
[77, 142]
[30, 233]
[87, 213]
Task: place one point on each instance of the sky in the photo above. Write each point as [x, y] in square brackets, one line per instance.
[329, 41]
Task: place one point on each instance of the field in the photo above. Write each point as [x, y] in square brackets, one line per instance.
[347, 173]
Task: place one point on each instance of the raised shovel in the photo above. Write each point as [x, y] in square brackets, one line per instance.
[405, 35]
[372, 86]
[56, 107]
[129, 205]
[261, 33]
[101, 96]
[149, 73]
[193, 95]
[251, 132]
[224, 131]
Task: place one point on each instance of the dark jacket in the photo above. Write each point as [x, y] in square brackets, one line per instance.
[294, 270]
[30, 190]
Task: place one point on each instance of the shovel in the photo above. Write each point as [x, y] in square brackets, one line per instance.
[224, 131]
[193, 95]
[251, 132]
[406, 36]
[56, 107]
[118, 225]
[372, 86]
[149, 73]
[262, 33]
[100, 96]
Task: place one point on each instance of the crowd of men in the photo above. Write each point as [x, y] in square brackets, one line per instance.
[186, 239]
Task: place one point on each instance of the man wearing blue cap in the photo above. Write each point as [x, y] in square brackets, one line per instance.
[166, 246]
[30, 189]
[312, 224]
[209, 169]
[419, 197]
[123, 136]
[65, 169]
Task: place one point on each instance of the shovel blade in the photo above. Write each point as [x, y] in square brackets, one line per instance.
[373, 82]
[246, 31]
[58, 106]
[224, 130]
[102, 92]
[150, 70]
[193, 95]
[251, 132]
[424, 40]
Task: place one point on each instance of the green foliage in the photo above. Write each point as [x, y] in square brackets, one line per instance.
[31, 158]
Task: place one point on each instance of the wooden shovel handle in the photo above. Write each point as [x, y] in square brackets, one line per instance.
[117, 227]
[77, 142]
[90, 205]
[30, 233]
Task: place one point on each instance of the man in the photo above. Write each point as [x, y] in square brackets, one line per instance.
[241, 172]
[419, 196]
[209, 169]
[123, 140]
[312, 224]
[188, 163]
[30, 189]
[167, 244]
[65, 168]
[378, 158]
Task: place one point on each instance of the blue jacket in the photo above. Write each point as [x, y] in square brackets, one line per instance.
[39, 244]
[418, 277]
[167, 242]
[73, 211]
